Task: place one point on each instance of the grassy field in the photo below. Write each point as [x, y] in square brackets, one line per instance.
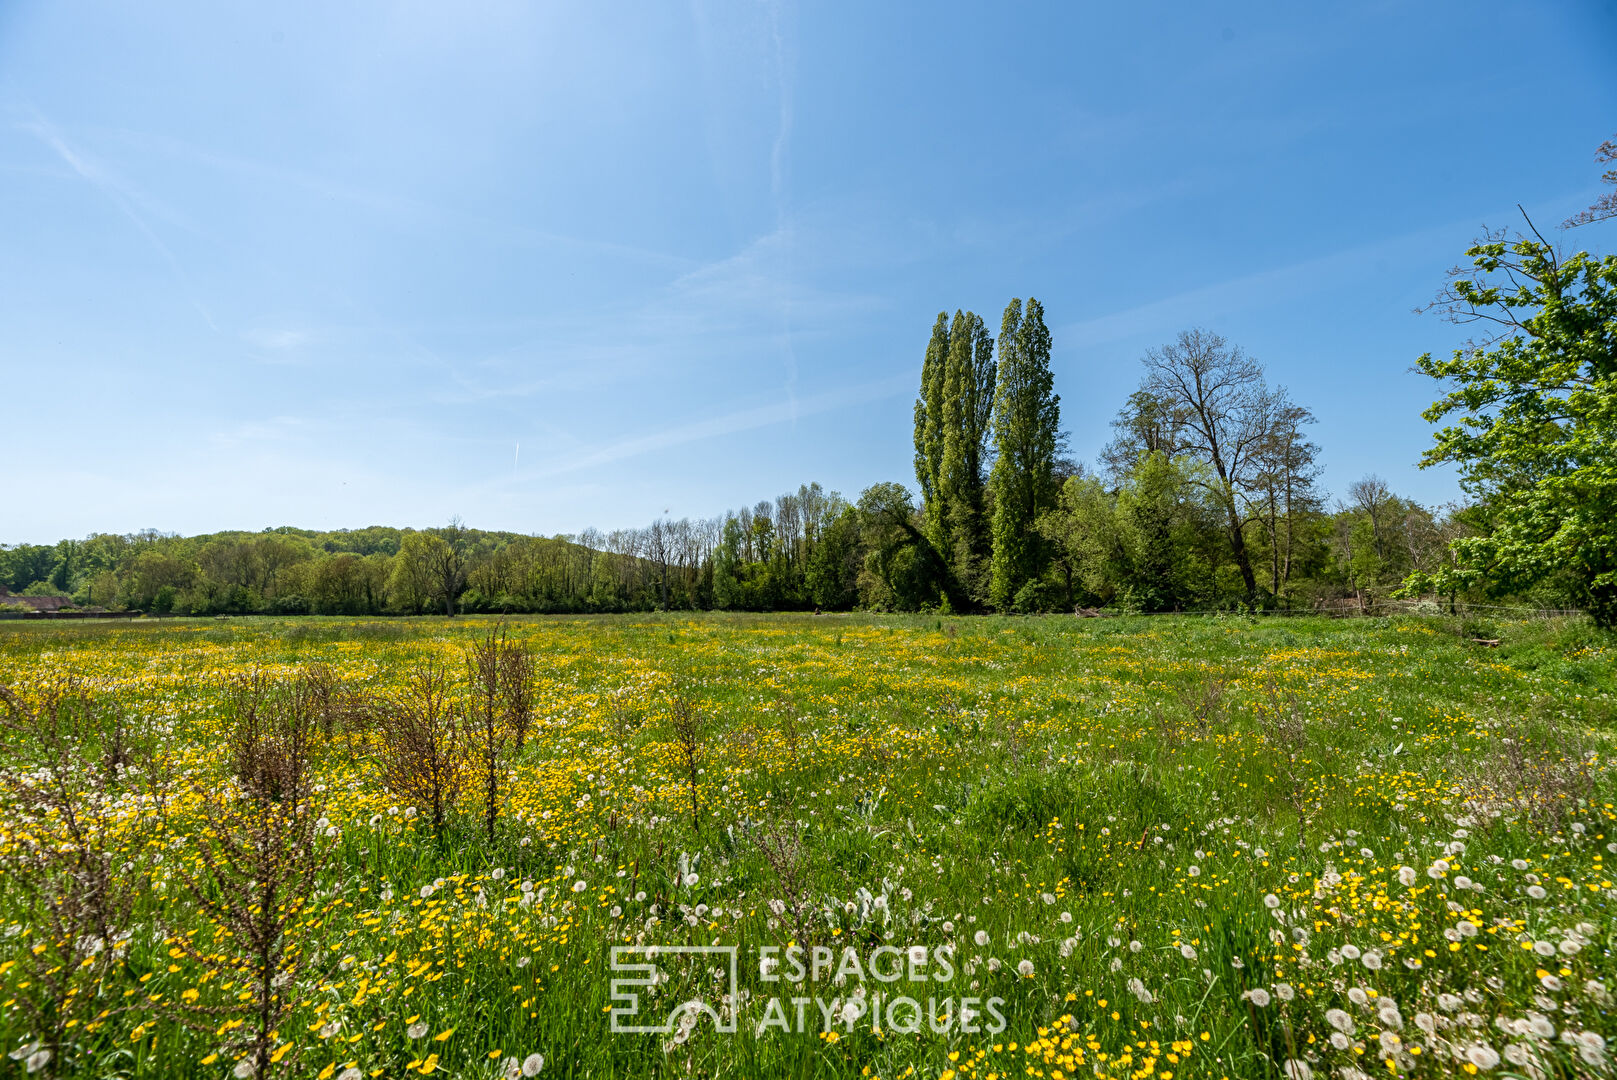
[1123, 848]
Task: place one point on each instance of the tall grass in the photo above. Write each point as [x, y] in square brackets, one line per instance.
[1179, 845]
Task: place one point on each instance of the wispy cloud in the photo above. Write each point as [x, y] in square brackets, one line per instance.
[87, 168]
[778, 177]
[728, 424]
[394, 205]
[278, 340]
[724, 310]
[1216, 300]
[276, 430]
[1169, 314]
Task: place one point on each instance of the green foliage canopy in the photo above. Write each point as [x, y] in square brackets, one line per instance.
[1532, 421]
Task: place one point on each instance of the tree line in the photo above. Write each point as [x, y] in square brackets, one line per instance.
[1206, 497]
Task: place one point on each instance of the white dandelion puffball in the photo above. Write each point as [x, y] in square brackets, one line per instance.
[416, 1030]
[532, 1064]
[1025, 969]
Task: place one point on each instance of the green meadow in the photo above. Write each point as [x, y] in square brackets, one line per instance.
[957, 848]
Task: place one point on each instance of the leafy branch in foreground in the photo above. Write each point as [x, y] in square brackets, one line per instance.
[1532, 421]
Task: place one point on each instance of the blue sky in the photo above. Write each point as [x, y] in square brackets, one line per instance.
[553, 266]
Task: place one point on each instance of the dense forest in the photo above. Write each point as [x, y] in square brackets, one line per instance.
[1207, 497]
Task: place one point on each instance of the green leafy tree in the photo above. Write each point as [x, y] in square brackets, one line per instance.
[929, 425]
[833, 564]
[902, 568]
[429, 569]
[1151, 509]
[24, 564]
[968, 407]
[1532, 421]
[1027, 439]
[727, 590]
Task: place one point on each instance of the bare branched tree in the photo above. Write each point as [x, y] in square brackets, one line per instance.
[258, 859]
[490, 734]
[500, 712]
[689, 728]
[64, 754]
[781, 843]
[271, 730]
[1605, 207]
[1285, 486]
[338, 709]
[423, 746]
[1371, 497]
[516, 690]
[1221, 412]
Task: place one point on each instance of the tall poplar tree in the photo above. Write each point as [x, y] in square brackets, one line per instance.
[1027, 421]
[968, 403]
[929, 428]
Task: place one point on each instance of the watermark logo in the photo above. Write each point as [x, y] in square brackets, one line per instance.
[640, 961]
[818, 989]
